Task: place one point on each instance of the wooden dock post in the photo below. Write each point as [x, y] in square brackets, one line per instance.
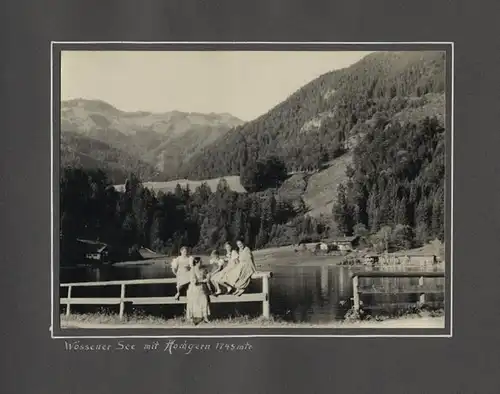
[122, 301]
[421, 300]
[355, 292]
[68, 304]
[265, 303]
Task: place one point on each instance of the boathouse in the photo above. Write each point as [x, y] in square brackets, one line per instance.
[371, 259]
[94, 250]
[399, 258]
[342, 243]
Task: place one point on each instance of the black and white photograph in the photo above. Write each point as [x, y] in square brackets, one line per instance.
[229, 189]
[254, 197]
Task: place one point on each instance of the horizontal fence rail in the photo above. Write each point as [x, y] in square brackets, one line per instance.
[419, 289]
[123, 299]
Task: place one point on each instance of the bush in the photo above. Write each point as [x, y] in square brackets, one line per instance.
[264, 174]
[402, 237]
[397, 238]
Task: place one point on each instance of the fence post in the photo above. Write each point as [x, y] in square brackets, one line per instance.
[355, 291]
[422, 295]
[68, 304]
[265, 290]
[122, 301]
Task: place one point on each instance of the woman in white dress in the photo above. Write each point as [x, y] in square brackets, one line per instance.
[198, 302]
[220, 278]
[181, 267]
[238, 278]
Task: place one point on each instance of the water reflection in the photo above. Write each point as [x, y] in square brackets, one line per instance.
[314, 294]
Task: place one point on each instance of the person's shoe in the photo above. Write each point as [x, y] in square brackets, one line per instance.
[239, 292]
[177, 296]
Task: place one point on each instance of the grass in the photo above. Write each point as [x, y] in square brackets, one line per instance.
[233, 181]
[317, 190]
[409, 319]
[409, 313]
[321, 187]
[136, 318]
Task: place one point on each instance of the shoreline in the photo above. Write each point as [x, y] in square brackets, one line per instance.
[287, 256]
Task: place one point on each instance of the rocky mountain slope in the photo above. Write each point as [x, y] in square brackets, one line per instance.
[163, 140]
[321, 120]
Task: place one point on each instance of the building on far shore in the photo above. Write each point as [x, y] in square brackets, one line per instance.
[346, 244]
[148, 254]
[94, 250]
[419, 259]
[400, 258]
[371, 259]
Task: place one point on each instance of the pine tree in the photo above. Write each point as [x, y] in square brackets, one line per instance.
[343, 212]
[422, 221]
[248, 239]
[179, 193]
[437, 226]
[400, 212]
[206, 231]
[156, 241]
[129, 230]
[262, 237]
[237, 227]
[373, 208]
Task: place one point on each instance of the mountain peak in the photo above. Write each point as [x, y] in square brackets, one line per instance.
[92, 105]
[163, 140]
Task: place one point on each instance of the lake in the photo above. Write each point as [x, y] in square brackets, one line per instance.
[315, 292]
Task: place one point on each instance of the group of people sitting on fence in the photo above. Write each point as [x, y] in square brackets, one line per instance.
[229, 274]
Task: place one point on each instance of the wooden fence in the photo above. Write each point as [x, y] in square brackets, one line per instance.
[123, 299]
[420, 289]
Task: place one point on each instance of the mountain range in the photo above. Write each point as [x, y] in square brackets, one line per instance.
[321, 120]
[96, 134]
[314, 131]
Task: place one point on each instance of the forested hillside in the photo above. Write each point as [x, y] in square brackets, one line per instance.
[370, 139]
[314, 125]
[83, 152]
[396, 183]
[92, 208]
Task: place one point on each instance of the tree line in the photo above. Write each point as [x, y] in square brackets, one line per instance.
[394, 197]
[396, 184]
[91, 208]
[395, 189]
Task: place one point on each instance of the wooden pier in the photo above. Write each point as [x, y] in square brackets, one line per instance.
[420, 289]
[262, 297]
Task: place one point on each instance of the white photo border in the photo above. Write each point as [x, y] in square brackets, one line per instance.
[225, 43]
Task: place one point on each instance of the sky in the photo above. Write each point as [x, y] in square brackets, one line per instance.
[245, 84]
